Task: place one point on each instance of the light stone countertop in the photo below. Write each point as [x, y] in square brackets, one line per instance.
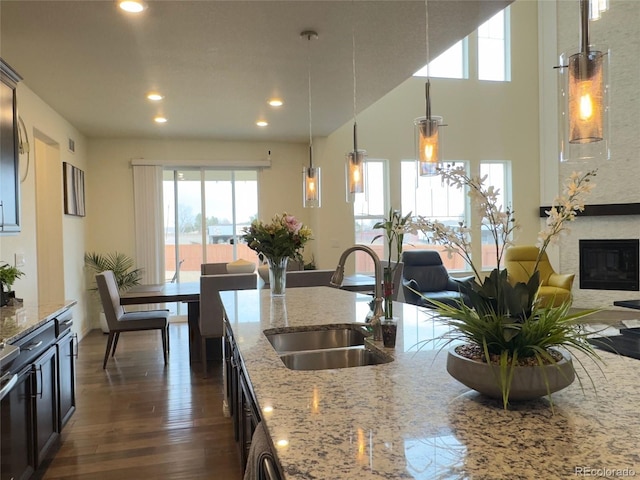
[409, 419]
[16, 322]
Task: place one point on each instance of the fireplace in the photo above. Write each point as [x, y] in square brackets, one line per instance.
[609, 264]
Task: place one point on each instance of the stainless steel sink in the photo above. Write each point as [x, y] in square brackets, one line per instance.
[333, 358]
[317, 339]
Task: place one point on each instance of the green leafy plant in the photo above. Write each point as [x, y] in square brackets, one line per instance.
[395, 226]
[8, 276]
[122, 266]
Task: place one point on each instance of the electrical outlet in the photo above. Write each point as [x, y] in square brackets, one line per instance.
[19, 260]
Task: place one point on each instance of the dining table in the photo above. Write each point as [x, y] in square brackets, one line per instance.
[189, 293]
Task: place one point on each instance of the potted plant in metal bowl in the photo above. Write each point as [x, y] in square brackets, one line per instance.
[514, 347]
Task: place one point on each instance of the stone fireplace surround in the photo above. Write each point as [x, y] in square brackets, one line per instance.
[596, 227]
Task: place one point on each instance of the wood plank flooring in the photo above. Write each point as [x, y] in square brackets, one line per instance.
[141, 420]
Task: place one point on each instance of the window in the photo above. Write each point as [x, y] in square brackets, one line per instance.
[452, 63]
[370, 208]
[493, 42]
[499, 175]
[493, 54]
[430, 197]
[205, 211]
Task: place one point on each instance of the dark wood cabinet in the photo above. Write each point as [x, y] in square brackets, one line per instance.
[45, 406]
[16, 447]
[9, 146]
[66, 378]
[35, 408]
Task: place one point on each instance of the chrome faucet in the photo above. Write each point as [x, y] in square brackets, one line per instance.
[338, 277]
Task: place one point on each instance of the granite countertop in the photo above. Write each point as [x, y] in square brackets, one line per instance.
[16, 322]
[408, 419]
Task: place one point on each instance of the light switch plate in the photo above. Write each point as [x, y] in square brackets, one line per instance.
[19, 260]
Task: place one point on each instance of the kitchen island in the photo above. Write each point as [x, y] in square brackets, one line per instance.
[408, 419]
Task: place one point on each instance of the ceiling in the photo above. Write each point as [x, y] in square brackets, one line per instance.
[218, 62]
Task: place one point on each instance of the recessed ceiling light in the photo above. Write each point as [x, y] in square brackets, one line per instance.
[275, 102]
[160, 119]
[154, 96]
[262, 123]
[132, 6]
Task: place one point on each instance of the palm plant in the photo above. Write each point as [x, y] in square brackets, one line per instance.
[122, 266]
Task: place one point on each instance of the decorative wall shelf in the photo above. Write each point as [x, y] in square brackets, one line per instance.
[603, 209]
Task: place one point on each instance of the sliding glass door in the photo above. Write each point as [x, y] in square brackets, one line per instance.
[205, 211]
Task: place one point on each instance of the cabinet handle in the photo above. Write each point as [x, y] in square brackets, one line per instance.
[7, 388]
[1, 216]
[68, 322]
[33, 345]
[39, 367]
[77, 345]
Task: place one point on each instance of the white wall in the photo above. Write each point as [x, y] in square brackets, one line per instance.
[44, 123]
[486, 121]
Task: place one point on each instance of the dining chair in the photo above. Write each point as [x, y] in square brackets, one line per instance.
[120, 321]
[217, 268]
[309, 278]
[211, 320]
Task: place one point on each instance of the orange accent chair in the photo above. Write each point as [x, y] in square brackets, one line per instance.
[555, 288]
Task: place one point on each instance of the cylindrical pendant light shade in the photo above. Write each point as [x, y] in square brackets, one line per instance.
[355, 172]
[584, 117]
[311, 180]
[586, 97]
[428, 142]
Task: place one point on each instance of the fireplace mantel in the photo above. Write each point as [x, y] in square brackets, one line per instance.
[603, 209]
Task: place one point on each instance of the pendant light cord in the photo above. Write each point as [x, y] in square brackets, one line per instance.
[310, 118]
[426, 41]
[353, 62]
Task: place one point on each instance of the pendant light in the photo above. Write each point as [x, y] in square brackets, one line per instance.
[355, 159]
[310, 175]
[584, 98]
[428, 127]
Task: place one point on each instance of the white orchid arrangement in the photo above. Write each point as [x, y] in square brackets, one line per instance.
[499, 220]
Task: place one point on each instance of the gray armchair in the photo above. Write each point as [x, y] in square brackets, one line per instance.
[424, 272]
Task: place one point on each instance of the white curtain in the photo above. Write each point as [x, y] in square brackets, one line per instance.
[149, 225]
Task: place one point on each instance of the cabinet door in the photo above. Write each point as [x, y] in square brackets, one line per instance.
[9, 183]
[66, 378]
[16, 441]
[45, 403]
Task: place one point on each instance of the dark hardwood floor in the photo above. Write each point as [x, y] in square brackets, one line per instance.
[141, 420]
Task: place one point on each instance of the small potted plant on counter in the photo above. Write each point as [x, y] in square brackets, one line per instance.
[8, 275]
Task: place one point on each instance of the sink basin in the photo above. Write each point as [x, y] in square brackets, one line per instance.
[332, 358]
[317, 339]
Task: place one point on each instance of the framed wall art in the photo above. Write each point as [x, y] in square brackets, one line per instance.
[73, 190]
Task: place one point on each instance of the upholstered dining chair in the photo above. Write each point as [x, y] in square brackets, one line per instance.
[120, 321]
[211, 321]
[218, 268]
[309, 278]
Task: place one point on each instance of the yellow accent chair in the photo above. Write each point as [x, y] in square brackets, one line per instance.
[555, 288]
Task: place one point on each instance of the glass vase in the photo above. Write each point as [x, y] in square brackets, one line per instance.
[278, 275]
[387, 292]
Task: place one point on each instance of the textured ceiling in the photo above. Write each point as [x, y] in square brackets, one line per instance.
[218, 62]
